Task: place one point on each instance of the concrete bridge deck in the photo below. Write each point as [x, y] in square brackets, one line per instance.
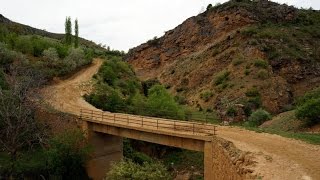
[105, 131]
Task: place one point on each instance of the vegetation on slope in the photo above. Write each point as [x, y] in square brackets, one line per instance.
[28, 148]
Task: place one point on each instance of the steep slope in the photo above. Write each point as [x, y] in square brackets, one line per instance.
[253, 53]
[22, 29]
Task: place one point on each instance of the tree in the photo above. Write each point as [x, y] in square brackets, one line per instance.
[76, 33]
[68, 31]
[67, 154]
[18, 128]
[308, 107]
[209, 7]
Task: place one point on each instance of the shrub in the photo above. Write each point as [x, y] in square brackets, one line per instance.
[308, 107]
[247, 72]
[51, 57]
[231, 111]
[206, 95]
[262, 74]
[258, 117]
[310, 110]
[261, 63]
[67, 154]
[181, 100]
[237, 62]
[253, 92]
[24, 45]
[161, 104]
[129, 170]
[3, 82]
[222, 77]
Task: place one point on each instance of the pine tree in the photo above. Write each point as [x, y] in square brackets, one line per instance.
[76, 33]
[68, 31]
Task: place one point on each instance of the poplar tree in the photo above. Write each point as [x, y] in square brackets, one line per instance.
[76, 33]
[68, 31]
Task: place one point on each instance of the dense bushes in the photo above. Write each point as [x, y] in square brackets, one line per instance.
[120, 91]
[129, 170]
[67, 154]
[308, 107]
[258, 117]
[62, 158]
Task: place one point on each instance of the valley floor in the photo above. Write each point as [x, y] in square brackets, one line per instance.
[277, 157]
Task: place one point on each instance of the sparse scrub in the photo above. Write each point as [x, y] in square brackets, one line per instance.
[222, 77]
[260, 63]
[262, 74]
[253, 92]
[206, 95]
[247, 72]
[237, 62]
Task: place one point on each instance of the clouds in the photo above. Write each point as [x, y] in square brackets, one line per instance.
[121, 24]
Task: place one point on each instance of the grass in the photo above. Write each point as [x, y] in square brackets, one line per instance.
[306, 137]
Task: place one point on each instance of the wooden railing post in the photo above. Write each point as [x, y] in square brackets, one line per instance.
[80, 114]
[142, 121]
[114, 118]
[127, 119]
[174, 125]
[102, 116]
[193, 128]
[157, 124]
[92, 115]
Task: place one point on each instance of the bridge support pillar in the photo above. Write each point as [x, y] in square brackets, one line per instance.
[208, 157]
[107, 149]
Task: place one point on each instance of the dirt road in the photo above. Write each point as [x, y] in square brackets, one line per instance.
[277, 157]
[66, 95]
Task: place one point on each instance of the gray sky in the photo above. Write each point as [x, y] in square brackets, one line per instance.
[120, 24]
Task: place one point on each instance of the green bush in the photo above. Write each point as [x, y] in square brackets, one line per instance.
[308, 107]
[247, 72]
[253, 92]
[67, 154]
[231, 111]
[3, 82]
[206, 95]
[261, 63]
[237, 62]
[222, 77]
[128, 170]
[258, 117]
[262, 74]
[161, 104]
[24, 45]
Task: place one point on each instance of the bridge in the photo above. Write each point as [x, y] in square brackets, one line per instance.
[105, 131]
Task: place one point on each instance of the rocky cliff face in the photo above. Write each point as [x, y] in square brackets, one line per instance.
[215, 59]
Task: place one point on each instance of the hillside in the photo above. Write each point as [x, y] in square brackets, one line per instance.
[22, 29]
[246, 54]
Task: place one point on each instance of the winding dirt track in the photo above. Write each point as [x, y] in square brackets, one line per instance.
[277, 157]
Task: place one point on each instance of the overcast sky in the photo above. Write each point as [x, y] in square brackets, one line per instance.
[120, 24]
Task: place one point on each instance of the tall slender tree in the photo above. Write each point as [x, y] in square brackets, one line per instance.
[76, 33]
[68, 30]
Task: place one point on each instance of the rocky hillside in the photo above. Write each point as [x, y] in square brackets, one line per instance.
[22, 29]
[237, 57]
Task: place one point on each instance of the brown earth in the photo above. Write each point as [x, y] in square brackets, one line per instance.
[277, 157]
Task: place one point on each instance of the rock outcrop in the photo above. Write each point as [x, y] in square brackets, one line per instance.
[231, 40]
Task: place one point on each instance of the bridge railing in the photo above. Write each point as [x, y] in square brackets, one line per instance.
[150, 123]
